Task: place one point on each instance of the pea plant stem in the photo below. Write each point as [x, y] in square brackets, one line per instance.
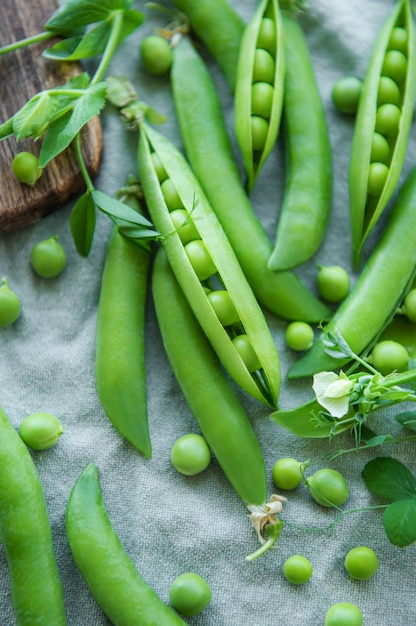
[365, 446]
[81, 162]
[110, 47]
[22, 43]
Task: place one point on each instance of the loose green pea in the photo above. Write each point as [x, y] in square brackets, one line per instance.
[299, 336]
[223, 306]
[395, 66]
[380, 149]
[190, 455]
[346, 94]
[399, 39]
[190, 594]
[297, 569]
[26, 168]
[333, 282]
[187, 230]
[263, 67]
[389, 356]
[377, 177]
[267, 35]
[388, 119]
[259, 130]
[48, 257]
[388, 92]
[10, 305]
[40, 431]
[361, 563]
[287, 473]
[262, 99]
[245, 349]
[156, 54]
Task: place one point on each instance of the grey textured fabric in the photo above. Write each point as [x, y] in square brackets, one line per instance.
[169, 523]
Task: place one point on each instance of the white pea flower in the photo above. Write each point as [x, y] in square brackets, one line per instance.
[333, 392]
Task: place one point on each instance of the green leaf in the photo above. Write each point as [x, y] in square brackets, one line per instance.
[82, 223]
[6, 129]
[63, 130]
[77, 13]
[407, 419]
[33, 118]
[378, 440]
[120, 91]
[399, 521]
[389, 479]
[119, 210]
[77, 48]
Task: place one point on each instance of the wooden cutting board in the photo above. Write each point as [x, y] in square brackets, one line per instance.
[23, 74]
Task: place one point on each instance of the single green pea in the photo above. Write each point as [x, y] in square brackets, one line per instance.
[200, 259]
[10, 305]
[40, 431]
[26, 168]
[361, 563]
[245, 349]
[263, 66]
[346, 94]
[388, 119]
[190, 455]
[343, 614]
[262, 99]
[223, 306]
[266, 38]
[380, 149]
[328, 487]
[259, 130]
[287, 473]
[388, 92]
[299, 336]
[333, 282]
[185, 226]
[398, 39]
[48, 257]
[395, 66]
[156, 54]
[170, 193]
[297, 569]
[389, 356]
[190, 594]
[409, 305]
[377, 176]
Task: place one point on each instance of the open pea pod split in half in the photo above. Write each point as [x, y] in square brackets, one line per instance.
[260, 378]
[384, 281]
[258, 92]
[383, 124]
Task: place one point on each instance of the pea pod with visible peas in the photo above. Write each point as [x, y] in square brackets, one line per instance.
[207, 390]
[111, 575]
[307, 195]
[209, 150]
[383, 123]
[220, 28]
[26, 536]
[258, 94]
[207, 263]
[379, 290]
[120, 343]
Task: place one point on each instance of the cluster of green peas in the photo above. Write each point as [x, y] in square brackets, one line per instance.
[205, 268]
[388, 115]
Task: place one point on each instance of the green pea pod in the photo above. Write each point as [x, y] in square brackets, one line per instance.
[111, 575]
[120, 343]
[210, 153]
[307, 196]
[366, 207]
[264, 384]
[255, 123]
[26, 536]
[380, 288]
[207, 390]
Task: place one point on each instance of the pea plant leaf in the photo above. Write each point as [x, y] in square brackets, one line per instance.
[399, 522]
[33, 118]
[132, 223]
[79, 13]
[63, 130]
[407, 419]
[388, 479]
[77, 48]
[82, 223]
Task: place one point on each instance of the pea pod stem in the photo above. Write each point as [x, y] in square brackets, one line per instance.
[111, 575]
[120, 341]
[207, 390]
[273, 533]
[306, 206]
[26, 535]
[209, 151]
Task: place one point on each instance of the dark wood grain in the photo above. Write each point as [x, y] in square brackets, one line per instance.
[23, 74]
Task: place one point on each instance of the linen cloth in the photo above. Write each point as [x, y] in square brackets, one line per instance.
[169, 523]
